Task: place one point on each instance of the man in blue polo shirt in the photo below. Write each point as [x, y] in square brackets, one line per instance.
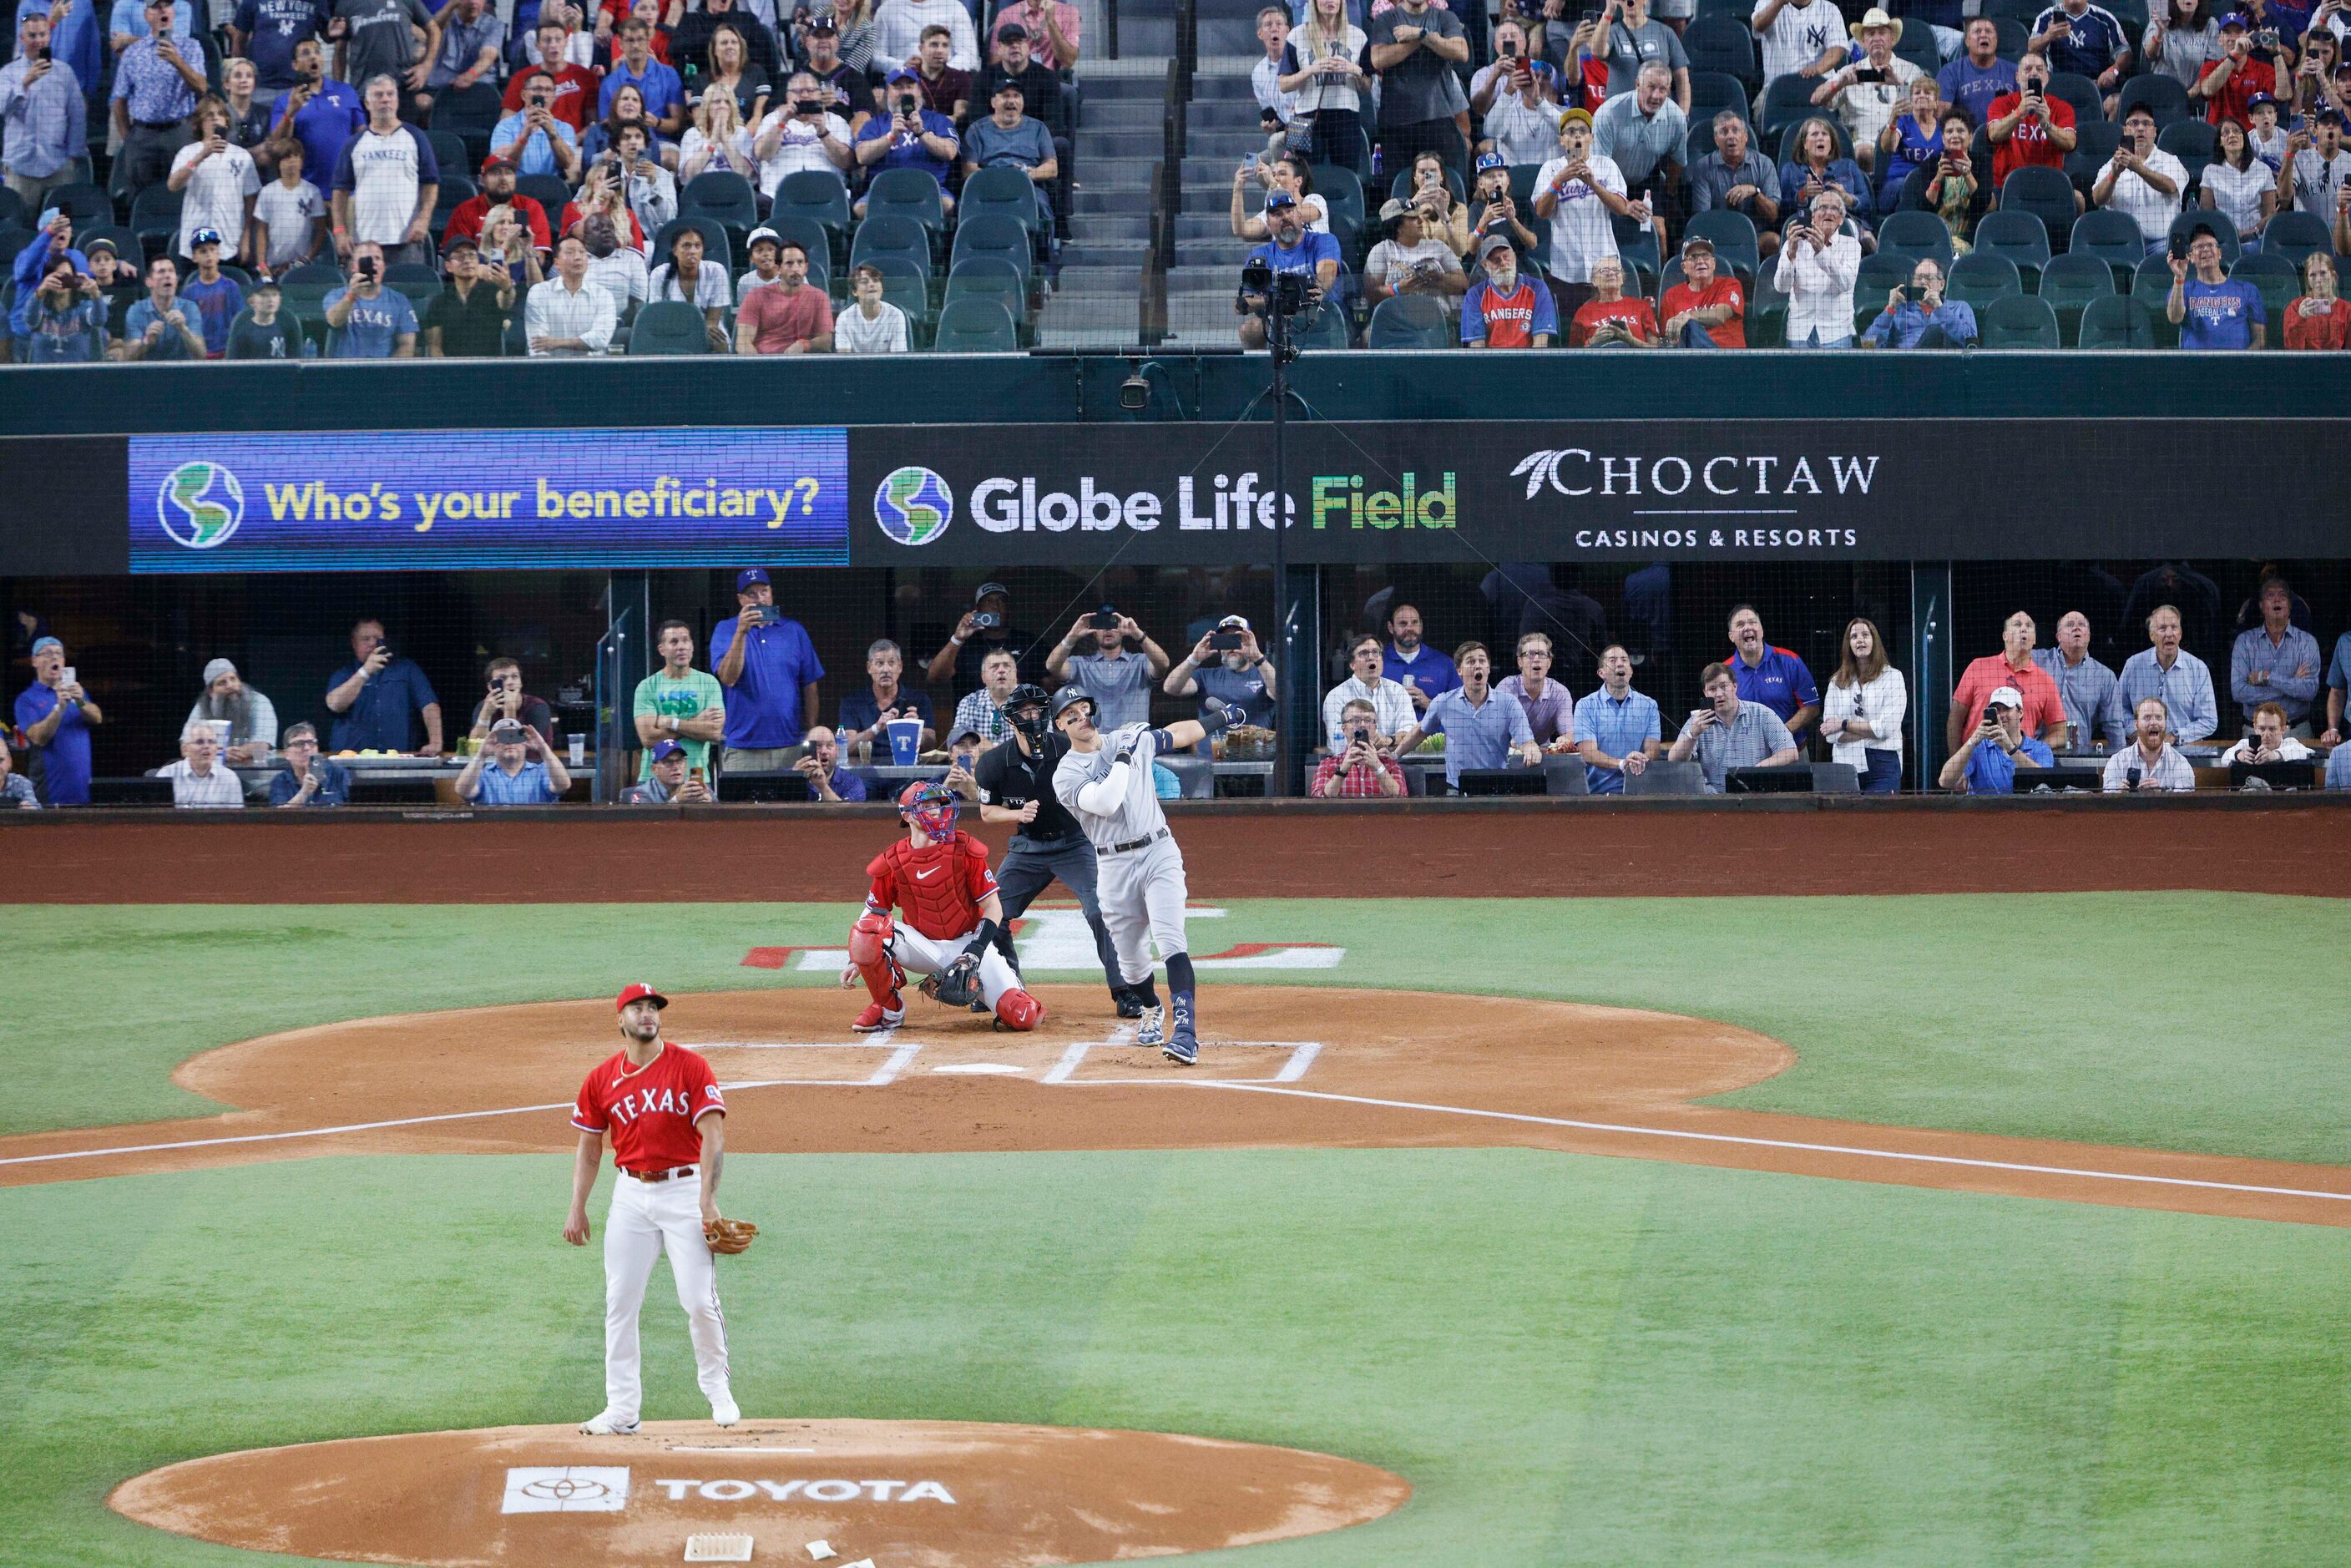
[1292, 248]
[1482, 728]
[1774, 677]
[56, 716]
[769, 669]
[377, 697]
[1986, 762]
[515, 768]
[1616, 728]
[1419, 669]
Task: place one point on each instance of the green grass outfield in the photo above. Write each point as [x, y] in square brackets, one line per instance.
[1573, 1359]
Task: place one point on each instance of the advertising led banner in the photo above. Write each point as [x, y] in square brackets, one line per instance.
[1598, 490]
[473, 499]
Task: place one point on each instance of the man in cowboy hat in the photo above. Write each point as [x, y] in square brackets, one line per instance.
[1867, 88]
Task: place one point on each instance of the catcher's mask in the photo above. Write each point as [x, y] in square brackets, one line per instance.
[931, 807]
[1025, 709]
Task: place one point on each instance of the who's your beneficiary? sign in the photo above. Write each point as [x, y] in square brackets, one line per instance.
[416, 500]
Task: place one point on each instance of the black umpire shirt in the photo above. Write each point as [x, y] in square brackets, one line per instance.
[1007, 777]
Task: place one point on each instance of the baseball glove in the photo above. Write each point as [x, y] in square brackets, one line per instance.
[957, 983]
[729, 1236]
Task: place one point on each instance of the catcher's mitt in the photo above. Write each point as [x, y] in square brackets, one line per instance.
[729, 1236]
[956, 985]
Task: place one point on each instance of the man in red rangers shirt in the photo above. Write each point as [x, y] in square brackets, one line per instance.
[668, 1123]
[939, 877]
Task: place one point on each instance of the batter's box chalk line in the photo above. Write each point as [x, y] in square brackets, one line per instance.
[1302, 1053]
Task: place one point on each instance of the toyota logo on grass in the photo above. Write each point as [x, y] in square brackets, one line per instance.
[914, 505]
[200, 505]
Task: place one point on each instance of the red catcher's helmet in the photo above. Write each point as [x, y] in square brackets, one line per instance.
[931, 807]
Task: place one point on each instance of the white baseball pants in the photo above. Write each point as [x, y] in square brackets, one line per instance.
[646, 1218]
[920, 955]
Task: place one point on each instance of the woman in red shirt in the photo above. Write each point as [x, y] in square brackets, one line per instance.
[1609, 316]
[2321, 319]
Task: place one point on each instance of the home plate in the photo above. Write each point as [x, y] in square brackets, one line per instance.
[983, 1068]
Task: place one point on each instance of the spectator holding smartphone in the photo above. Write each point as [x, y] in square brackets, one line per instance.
[1225, 669]
[828, 780]
[2211, 309]
[2320, 318]
[1359, 768]
[1819, 263]
[467, 320]
[2028, 128]
[2268, 739]
[57, 716]
[1725, 732]
[367, 320]
[507, 700]
[307, 779]
[667, 780]
[1917, 316]
[379, 697]
[516, 768]
[865, 716]
[1986, 761]
[1107, 655]
[770, 671]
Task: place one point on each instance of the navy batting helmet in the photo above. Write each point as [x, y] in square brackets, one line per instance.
[1069, 697]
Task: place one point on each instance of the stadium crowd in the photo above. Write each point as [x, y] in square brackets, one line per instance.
[368, 179]
[754, 709]
[1686, 175]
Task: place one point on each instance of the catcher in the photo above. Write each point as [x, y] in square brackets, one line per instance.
[939, 877]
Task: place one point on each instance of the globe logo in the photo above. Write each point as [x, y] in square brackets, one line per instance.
[200, 505]
[914, 505]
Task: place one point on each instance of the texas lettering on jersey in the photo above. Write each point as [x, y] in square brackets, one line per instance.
[650, 1112]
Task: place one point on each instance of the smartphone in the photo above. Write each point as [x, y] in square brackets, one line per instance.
[68, 676]
[1224, 641]
[987, 620]
[1913, 293]
[1103, 621]
[1362, 738]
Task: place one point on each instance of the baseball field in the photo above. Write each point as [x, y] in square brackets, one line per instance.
[1930, 1227]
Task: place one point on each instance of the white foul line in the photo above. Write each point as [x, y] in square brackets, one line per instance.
[889, 1071]
[1756, 1143]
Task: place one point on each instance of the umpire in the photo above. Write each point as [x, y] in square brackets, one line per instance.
[1016, 785]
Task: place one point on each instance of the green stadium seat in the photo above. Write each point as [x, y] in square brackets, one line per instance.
[1409, 322]
[2022, 237]
[1979, 279]
[2116, 321]
[669, 327]
[975, 325]
[2018, 321]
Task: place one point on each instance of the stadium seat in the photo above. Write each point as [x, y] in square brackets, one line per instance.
[669, 327]
[906, 194]
[2113, 238]
[816, 194]
[1327, 330]
[154, 217]
[976, 326]
[2044, 192]
[325, 273]
[2089, 104]
[2222, 230]
[13, 242]
[2071, 283]
[809, 235]
[13, 213]
[1917, 45]
[989, 277]
[1662, 778]
[455, 191]
[2151, 286]
[1787, 101]
[1722, 43]
[2014, 38]
[2018, 321]
[1712, 91]
[1767, 315]
[991, 234]
[892, 234]
[88, 203]
[2294, 235]
[1879, 273]
[721, 194]
[419, 282]
[2279, 282]
[715, 247]
[1003, 191]
[1916, 236]
[2094, 142]
[450, 151]
[2019, 237]
[1733, 234]
[549, 192]
[1342, 189]
[1979, 279]
[2191, 142]
[1408, 321]
[2024, 12]
[2116, 321]
[2161, 93]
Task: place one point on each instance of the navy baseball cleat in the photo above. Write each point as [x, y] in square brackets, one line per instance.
[1183, 1047]
[1129, 1006]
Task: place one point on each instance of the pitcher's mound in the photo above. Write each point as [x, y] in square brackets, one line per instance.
[908, 1494]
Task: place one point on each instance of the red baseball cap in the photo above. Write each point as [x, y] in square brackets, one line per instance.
[640, 992]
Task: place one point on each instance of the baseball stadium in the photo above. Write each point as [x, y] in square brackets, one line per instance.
[1435, 782]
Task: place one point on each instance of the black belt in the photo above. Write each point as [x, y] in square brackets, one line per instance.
[1132, 844]
[159, 124]
[1062, 843]
[681, 1172]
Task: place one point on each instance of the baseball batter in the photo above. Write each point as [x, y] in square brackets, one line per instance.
[661, 1106]
[938, 876]
[1105, 781]
[1015, 779]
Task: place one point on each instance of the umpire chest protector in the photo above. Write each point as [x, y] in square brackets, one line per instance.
[1007, 777]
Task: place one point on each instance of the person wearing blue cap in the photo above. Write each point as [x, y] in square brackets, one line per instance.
[1292, 248]
[770, 671]
[2314, 176]
[214, 293]
[908, 136]
[56, 716]
[2231, 77]
[666, 781]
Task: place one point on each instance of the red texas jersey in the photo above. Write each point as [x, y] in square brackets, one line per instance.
[650, 1111]
[940, 886]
